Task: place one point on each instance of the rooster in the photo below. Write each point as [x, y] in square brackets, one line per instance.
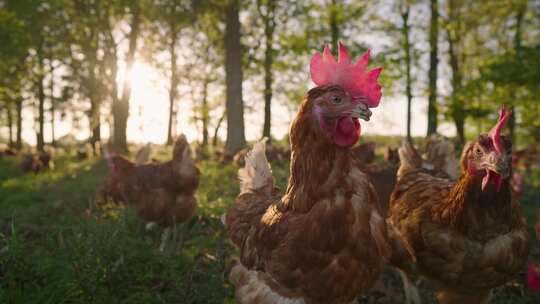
[324, 240]
[466, 235]
[160, 193]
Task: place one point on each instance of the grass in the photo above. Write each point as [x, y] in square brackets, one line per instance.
[57, 247]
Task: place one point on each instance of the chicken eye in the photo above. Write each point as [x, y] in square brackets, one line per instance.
[478, 152]
[336, 100]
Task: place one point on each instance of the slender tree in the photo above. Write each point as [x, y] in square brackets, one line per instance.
[454, 36]
[52, 100]
[520, 13]
[216, 129]
[205, 112]
[15, 41]
[121, 105]
[267, 12]
[40, 86]
[86, 67]
[19, 118]
[236, 139]
[405, 31]
[334, 20]
[433, 64]
[173, 15]
[9, 118]
[173, 81]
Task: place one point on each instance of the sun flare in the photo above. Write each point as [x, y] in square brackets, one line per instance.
[149, 106]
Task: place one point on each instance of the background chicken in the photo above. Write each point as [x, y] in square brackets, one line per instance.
[143, 155]
[160, 193]
[5, 150]
[274, 152]
[110, 189]
[439, 155]
[364, 152]
[324, 240]
[37, 162]
[468, 236]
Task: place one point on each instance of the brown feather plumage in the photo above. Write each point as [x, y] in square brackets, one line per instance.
[163, 193]
[324, 241]
[464, 239]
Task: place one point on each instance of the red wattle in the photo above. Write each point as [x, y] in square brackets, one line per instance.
[497, 179]
[485, 180]
[347, 132]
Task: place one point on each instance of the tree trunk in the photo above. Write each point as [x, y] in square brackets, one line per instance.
[433, 63]
[173, 88]
[121, 108]
[94, 95]
[95, 124]
[407, 49]
[9, 114]
[517, 45]
[457, 107]
[269, 26]
[41, 101]
[236, 139]
[52, 101]
[216, 130]
[334, 22]
[205, 116]
[18, 108]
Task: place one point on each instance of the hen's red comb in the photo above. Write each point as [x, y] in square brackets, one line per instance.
[495, 132]
[353, 77]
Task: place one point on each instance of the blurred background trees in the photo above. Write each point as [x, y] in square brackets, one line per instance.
[236, 68]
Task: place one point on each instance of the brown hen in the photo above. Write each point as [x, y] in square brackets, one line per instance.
[439, 153]
[467, 235]
[161, 193]
[324, 241]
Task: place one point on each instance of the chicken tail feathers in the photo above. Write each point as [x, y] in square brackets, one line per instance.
[183, 165]
[441, 156]
[409, 158]
[256, 174]
[143, 155]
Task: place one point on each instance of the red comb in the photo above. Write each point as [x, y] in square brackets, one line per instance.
[353, 77]
[495, 132]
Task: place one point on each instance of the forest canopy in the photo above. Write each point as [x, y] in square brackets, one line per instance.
[223, 71]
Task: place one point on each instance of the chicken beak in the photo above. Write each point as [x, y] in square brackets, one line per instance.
[496, 168]
[360, 110]
[497, 164]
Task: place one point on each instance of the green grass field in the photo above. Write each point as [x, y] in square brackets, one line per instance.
[57, 247]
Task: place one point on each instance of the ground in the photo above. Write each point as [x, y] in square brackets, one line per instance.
[56, 246]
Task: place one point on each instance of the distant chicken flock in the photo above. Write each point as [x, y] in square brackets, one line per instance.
[342, 218]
